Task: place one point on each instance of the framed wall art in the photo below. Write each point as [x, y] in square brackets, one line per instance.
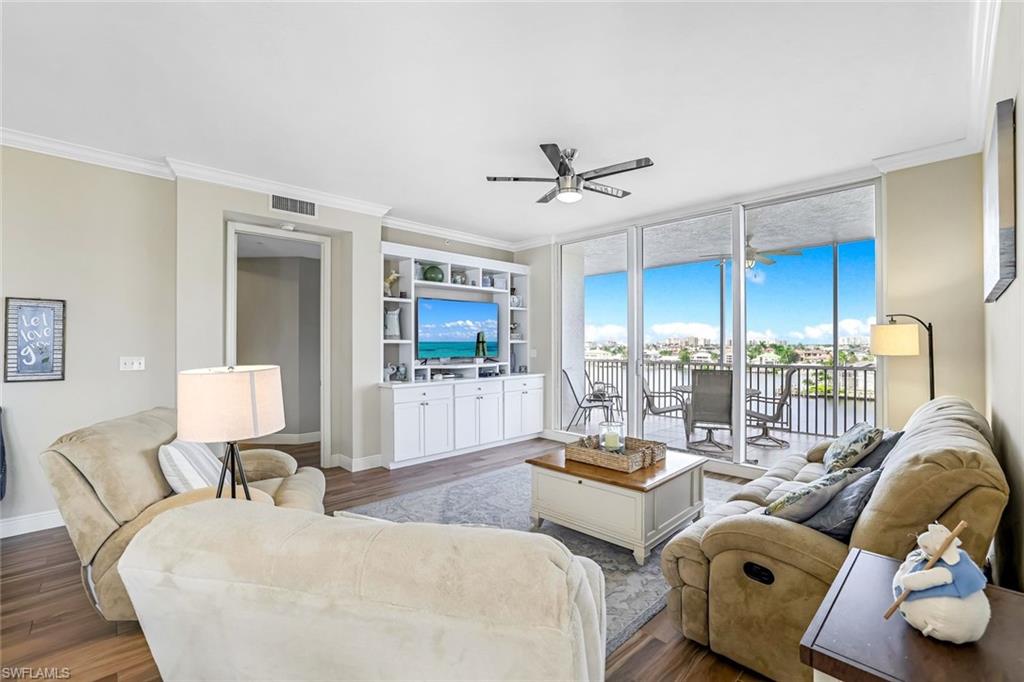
[999, 202]
[34, 333]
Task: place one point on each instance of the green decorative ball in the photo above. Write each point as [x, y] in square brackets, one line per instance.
[433, 274]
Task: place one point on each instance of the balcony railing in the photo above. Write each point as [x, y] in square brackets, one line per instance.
[826, 401]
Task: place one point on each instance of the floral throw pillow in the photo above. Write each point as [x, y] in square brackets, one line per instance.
[805, 502]
[852, 447]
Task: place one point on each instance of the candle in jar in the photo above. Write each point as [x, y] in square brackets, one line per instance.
[611, 440]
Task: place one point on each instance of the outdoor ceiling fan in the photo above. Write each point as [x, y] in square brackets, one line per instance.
[754, 256]
[569, 184]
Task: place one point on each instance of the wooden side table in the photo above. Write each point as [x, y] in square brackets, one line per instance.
[848, 639]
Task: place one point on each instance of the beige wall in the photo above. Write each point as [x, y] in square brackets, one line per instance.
[1004, 321]
[203, 209]
[542, 264]
[103, 240]
[279, 324]
[931, 260]
[391, 234]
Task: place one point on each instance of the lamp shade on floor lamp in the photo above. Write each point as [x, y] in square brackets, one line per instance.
[895, 339]
[229, 404]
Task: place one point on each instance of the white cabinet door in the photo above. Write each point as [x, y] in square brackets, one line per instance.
[466, 432]
[489, 418]
[514, 414]
[408, 431]
[533, 411]
[437, 426]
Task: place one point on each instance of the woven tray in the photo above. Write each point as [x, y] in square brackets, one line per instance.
[639, 453]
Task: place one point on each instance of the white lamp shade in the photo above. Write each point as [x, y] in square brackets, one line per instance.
[895, 339]
[221, 404]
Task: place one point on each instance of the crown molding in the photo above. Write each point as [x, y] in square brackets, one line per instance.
[932, 154]
[217, 176]
[446, 233]
[532, 243]
[79, 152]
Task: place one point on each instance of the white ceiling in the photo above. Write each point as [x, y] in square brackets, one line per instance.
[411, 105]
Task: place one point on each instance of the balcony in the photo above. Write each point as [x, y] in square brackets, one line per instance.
[825, 401]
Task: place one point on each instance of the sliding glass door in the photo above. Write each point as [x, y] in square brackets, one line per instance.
[740, 334]
[595, 348]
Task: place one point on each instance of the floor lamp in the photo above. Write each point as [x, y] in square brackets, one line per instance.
[229, 404]
[902, 339]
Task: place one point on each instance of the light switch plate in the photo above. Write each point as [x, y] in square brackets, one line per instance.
[533, 352]
[133, 364]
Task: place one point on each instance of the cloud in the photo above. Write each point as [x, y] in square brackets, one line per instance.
[766, 335]
[597, 333]
[847, 327]
[684, 329]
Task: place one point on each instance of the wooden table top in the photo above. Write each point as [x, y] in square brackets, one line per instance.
[644, 480]
[849, 639]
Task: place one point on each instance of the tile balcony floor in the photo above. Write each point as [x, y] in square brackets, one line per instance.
[671, 431]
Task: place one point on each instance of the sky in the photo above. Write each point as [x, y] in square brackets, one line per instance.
[790, 301]
[441, 320]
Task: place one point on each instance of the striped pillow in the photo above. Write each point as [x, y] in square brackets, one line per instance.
[189, 466]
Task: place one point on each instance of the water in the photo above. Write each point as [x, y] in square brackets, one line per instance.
[432, 350]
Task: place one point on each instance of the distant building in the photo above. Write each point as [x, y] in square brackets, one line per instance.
[815, 356]
[766, 358]
[701, 357]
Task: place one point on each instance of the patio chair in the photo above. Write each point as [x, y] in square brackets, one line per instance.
[676, 404]
[710, 407]
[773, 413]
[585, 406]
[601, 391]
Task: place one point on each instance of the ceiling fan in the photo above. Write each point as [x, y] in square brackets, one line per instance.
[753, 256]
[569, 184]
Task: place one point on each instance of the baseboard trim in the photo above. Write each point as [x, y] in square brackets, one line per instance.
[30, 523]
[357, 464]
[560, 436]
[717, 466]
[287, 439]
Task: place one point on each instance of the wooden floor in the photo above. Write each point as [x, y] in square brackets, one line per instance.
[46, 621]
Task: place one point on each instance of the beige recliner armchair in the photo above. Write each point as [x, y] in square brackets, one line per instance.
[108, 485]
[942, 468]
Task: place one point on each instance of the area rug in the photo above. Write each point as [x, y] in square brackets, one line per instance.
[633, 594]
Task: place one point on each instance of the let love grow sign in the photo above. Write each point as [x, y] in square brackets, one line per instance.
[34, 340]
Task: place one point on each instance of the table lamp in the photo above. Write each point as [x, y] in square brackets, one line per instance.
[902, 339]
[229, 404]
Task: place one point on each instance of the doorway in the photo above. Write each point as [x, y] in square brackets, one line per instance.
[277, 312]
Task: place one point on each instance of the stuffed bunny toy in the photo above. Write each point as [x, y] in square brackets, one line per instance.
[946, 601]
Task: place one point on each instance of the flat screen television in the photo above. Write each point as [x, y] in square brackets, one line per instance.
[448, 329]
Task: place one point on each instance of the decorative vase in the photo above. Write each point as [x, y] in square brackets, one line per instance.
[433, 273]
[392, 324]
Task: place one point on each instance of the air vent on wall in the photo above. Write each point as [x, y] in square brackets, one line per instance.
[289, 205]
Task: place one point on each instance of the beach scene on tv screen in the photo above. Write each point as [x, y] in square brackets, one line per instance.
[448, 329]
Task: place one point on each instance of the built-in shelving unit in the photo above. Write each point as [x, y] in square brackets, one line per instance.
[464, 278]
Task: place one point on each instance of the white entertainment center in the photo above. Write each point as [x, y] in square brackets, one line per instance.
[444, 407]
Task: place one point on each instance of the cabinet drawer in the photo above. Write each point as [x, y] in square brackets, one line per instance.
[421, 393]
[477, 388]
[524, 384]
[604, 508]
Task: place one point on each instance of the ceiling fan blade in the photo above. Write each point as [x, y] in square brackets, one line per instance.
[783, 252]
[616, 168]
[761, 258]
[549, 196]
[605, 189]
[554, 155]
[506, 178]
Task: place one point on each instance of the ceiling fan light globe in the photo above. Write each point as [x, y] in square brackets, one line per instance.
[569, 196]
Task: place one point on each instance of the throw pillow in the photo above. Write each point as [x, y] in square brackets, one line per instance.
[803, 503]
[837, 518]
[189, 466]
[852, 446]
[876, 458]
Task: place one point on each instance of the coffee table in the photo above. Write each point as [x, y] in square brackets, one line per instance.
[635, 511]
